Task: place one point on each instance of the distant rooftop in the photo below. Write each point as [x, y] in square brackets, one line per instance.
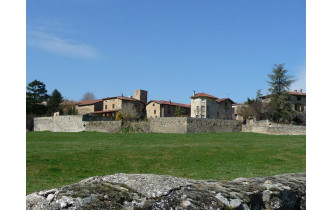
[170, 103]
[196, 95]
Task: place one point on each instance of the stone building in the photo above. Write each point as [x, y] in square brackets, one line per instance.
[225, 108]
[109, 106]
[298, 100]
[207, 106]
[165, 109]
[87, 107]
[112, 105]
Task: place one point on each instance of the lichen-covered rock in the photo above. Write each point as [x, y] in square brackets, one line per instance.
[147, 191]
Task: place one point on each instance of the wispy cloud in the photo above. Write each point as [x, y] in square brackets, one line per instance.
[300, 78]
[64, 47]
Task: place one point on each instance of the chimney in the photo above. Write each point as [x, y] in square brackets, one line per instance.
[121, 94]
[300, 90]
[130, 97]
[295, 91]
[194, 93]
[170, 101]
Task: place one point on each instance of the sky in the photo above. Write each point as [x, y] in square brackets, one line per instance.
[169, 48]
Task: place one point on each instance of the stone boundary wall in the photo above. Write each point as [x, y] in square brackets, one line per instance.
[137, 127]
[168, 125]
[212, 125]
[103, 126]
[65, 123]
[267, 127]
[192, 125]
[76, 123]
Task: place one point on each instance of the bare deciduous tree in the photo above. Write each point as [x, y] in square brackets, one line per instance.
[246, 112]
[88, 96]
[129, 113]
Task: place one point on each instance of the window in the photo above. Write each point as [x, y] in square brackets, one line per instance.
[152, 104]
[207, 108]
[203, 116]
[105, 106]
[196, 116]
[203, 99]
[203, 108]
[298, 98]
[169, 110]
[154, 112]
[112, 106]
[207, 116]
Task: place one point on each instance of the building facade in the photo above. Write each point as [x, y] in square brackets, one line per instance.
[207, 106]
[297, 99]
[110, 106]
[160, 108]
[87, 107]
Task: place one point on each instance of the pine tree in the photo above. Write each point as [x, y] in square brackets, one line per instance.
[54, 102]
[35, 95]
[279, 98]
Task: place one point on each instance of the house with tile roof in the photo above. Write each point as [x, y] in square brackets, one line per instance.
[87, 107]
[208, 106]
[109, 106]
[160, 108]
[298, 100]
[204, 105]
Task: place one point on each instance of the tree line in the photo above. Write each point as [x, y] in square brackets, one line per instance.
[39, 103]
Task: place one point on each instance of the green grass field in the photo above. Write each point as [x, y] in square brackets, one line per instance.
[57, 159]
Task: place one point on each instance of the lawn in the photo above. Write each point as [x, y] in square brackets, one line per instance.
[57, 159]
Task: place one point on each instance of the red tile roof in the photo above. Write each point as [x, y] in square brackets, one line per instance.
[89, 102]
[224, 99]
[297, 93]
[203, 95]
[170, 103]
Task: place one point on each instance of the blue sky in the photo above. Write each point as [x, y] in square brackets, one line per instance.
[170, 48]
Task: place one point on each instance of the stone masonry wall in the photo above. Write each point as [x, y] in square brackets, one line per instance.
[103, 126]
[137, 127]
[74, 123]
[212, 125]
[66, 123]
[267, 127]
[192, 125]
[168, 125]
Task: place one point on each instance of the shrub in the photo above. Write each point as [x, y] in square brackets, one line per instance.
[118, 116]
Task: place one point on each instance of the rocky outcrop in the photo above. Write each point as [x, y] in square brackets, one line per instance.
[146, 191]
